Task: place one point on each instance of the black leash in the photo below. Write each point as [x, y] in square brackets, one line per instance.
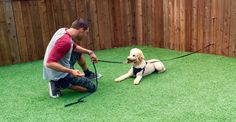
[106, 61]
[188, 54]
[118, 62]
[81, 99]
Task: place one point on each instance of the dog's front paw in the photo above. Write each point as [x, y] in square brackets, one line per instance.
[117, 80]
[136, 82]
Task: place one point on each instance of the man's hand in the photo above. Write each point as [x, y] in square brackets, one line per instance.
[93, 57]
[80, 49]
[76, 73]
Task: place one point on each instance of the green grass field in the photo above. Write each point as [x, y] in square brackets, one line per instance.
[200, 87]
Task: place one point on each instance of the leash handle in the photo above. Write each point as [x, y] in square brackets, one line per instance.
[67, 105]
[79, 100]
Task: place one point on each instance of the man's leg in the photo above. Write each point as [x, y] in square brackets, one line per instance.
[78, 88]
[74, 58]
[80, 84]
[82, 63]
[78, 57]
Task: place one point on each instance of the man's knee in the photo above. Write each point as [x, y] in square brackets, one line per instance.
[88, 84]
[92, 88]
[84, 82]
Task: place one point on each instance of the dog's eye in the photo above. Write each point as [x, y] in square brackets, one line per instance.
[133, 55]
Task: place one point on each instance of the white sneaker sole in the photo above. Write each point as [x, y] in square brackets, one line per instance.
[50, 91]
[99, 76]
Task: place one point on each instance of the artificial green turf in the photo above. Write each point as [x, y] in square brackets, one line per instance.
[200, 87]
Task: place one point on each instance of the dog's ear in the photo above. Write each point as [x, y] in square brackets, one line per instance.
[140, 56]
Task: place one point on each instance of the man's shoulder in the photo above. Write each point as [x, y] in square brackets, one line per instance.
[61, 32]
[65, 39]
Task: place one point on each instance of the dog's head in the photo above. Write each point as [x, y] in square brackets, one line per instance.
[136, 56]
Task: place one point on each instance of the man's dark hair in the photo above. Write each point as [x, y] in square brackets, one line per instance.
[80, 23]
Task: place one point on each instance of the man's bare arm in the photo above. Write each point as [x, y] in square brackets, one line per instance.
[80, 49]
[58, 67]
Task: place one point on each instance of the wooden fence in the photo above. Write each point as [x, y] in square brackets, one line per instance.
[26, 26]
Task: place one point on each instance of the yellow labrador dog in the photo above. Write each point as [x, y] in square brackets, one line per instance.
[141, 67]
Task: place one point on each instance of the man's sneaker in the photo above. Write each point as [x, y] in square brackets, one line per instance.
[93, 76]
[54, 92]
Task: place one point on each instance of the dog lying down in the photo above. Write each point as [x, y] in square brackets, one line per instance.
[140, 67]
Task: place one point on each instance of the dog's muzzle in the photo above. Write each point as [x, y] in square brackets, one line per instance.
[130, 60]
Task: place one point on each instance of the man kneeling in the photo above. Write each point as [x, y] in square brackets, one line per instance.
[62, 54]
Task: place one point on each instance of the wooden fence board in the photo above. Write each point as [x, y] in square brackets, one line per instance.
[5, 56]
[117, 24]
[177, 23]
[20, 31]
[207, 25]
[226, 28]
[213, 27]
[171, 24]
[32, 51]
[44, 24]
[138, 22]
[107, 24]
[128, 14]
[166, 24]
[145, 22]
[123, 24]
[219, 29]
[93, 43]
[37, 30]
[50, 18]
[151, 23]
[194, 26]
[200, 24]
[104, 25]
[101, 18]
[189, 20]
[69, 12]
[13, 42]
[232, 43]
[111, 22]
[57, 12]
[81, 13]
[133, 21]
[182, 26]
[158, 18]
[2, 15]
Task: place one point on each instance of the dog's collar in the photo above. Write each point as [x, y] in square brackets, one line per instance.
[137, 70]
